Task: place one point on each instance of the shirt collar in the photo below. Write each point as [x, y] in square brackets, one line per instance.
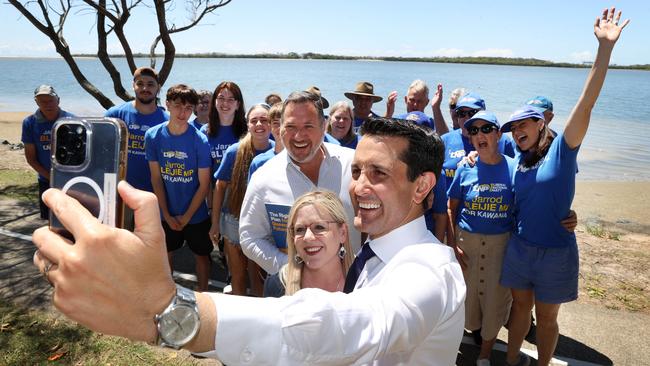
[414, 232]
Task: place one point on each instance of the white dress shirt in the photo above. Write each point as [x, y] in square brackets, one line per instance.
[281, 182]
[407, 309]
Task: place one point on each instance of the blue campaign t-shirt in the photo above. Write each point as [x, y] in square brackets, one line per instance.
[439, 202]
[180, 157]
[458, 146]
[351, 144]
[137, 169]
[225, 169]
[195, 122]
[38, 131]
[260, 160]
[359, 121]
[486, 196]
[544, 195]
[218, 144]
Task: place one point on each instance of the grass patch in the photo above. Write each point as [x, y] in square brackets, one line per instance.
[18, 184]
[30, 337]
[596, 292]
[599, 231]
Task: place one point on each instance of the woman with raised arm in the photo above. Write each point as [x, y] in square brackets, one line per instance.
[541, 260]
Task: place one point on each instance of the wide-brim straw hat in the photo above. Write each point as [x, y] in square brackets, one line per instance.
[314, 90]
[365, 89]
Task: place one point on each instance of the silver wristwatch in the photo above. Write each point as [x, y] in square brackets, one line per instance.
[179, 323]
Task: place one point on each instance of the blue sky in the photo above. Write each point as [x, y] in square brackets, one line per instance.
[551, 30]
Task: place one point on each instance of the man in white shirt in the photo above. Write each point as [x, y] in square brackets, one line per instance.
[305, 164]
[407, 307]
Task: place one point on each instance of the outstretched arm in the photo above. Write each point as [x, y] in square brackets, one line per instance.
[607, 31]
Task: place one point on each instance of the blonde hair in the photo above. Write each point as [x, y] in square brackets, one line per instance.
[275, 111]
[291, 273]
[455, 94]
[239, 177]
[335, 108]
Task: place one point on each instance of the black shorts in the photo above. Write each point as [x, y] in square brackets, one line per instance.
[197, 237]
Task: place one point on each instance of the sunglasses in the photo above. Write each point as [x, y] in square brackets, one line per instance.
[485, 129]
[466, 113]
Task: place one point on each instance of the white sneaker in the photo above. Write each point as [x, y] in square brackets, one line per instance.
[227, 289]
[483, 362]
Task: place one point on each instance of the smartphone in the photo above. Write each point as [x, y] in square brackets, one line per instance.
[88, 160]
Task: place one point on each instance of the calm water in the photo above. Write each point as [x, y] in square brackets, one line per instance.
[616, 146]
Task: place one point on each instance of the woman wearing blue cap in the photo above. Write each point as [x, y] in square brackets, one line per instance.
[541, 260]
[480, 203]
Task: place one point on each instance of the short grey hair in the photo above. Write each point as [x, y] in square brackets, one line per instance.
[456, 94]
[299, 97]
[419, 86]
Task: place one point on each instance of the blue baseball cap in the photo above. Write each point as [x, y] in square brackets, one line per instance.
[416, 117]
[527, 111]
[486, 116]
[541, 102]
[471, 100]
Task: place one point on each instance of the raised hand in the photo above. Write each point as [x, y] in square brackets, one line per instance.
[607, 28]
[437, 97]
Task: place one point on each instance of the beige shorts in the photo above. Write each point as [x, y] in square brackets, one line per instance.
[487, 305]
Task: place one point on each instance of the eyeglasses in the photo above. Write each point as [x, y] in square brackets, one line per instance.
[226, 100]
[485, 129]
[318, 228]
[466, 113]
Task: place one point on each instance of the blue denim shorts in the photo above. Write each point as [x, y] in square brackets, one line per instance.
[229, 227]
[552, 273]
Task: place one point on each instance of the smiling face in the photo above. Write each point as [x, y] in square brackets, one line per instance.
[258, 124]
[318, 237]
[340, 122]
[226, 104]
[202, 110]
[302, 131]
[526, 133]
[463, 115]
[485, 144]
[416, 100]
[382, 196]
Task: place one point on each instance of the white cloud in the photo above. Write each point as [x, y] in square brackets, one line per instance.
[449, 52]
[579, 57]
[25, 49]
[493, 52]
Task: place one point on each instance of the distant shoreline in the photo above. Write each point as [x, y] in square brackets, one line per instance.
[508, 61]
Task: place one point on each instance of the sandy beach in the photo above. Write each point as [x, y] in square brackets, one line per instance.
[613, 231]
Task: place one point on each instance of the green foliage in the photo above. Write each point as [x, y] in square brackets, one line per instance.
[511, 61]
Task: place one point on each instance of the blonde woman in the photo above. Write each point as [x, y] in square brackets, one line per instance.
[232, 180]
[318, 246]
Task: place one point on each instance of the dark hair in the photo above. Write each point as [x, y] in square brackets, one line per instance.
[541, 148]
[183, 94]
[425, 150]
[299, 97]
[239, 123]
[272, 99]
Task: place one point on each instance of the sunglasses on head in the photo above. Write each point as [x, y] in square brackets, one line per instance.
[473, 130]
[466, 113]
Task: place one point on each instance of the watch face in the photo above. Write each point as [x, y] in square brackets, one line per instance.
[179, 326]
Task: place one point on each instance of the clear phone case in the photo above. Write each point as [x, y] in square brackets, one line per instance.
[88, 160]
